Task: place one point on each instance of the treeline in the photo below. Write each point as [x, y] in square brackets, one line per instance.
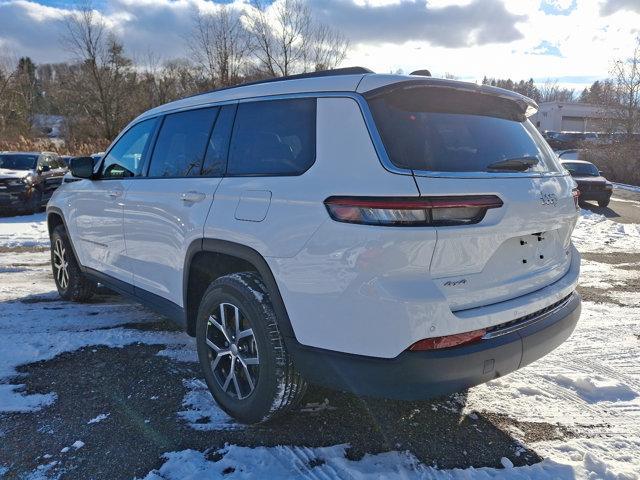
[618, 96]
[601, 92]
[103, 88]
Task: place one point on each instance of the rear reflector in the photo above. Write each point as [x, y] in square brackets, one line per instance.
[456, 340]
[411, 211]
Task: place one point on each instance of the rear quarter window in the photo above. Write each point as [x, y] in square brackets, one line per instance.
[273, 137]
[431, 129]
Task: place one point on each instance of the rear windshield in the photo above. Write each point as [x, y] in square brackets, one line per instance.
[444, 130]
[18, 162]
[582, 169]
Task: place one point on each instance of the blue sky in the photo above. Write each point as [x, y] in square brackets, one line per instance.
[573, 41]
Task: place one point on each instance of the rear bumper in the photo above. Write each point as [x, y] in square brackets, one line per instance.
[595, 195]
[422, 375]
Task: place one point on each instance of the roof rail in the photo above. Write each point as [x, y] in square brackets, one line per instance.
[320, 73]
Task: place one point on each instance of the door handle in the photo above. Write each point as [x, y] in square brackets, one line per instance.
[114, 193]
[192, 197]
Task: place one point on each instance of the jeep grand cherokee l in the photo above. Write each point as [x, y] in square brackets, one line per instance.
[392, 236]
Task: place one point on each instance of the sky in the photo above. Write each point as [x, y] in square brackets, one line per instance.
[571, 41]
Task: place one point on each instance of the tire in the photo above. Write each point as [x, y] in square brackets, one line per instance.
[604, 203]
[255, 350]
[71, 283]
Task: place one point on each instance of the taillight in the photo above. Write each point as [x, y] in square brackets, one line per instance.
[411, 211]
[576, 197]
[456, 340]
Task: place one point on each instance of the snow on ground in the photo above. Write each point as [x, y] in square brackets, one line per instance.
[596, 233]
[24, 231]
[35, 325]
[590, 385]
[201, 412]
[99, 418]
[606, 276]
[288, 463]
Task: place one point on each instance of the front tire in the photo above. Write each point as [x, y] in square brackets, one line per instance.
[71, 283]
[242, 354]
[604, 203]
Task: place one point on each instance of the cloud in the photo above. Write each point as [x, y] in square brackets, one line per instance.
[160, 26]
[467, 38]
[477, 23]
[28, 28]
[612, 6]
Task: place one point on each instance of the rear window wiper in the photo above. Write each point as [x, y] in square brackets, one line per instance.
[516, 164]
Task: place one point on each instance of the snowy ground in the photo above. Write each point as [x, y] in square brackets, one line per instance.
[578, 408]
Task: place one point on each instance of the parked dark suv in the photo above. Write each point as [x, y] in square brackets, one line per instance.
[591, 183]
[28, 179]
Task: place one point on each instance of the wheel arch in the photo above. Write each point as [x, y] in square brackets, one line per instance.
[231, 257]
[55, 218]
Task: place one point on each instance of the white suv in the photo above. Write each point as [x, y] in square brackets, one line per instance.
[393, 236]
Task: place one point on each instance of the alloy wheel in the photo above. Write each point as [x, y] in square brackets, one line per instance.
[60, 264]
[233, 351]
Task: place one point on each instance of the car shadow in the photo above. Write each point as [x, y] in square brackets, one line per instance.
[595, 208]
[144, 393]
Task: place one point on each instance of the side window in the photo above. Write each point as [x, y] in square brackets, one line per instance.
[215, 161]
[274, 137]
[125, 158]
[56, 163]
[181, 143]
[43, 161]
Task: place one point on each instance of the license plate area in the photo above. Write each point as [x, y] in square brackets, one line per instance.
[537, 250]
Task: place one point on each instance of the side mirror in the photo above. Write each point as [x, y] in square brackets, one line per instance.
[601, 172]
[81, 167]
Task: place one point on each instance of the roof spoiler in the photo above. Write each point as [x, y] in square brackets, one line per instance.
[525, 105]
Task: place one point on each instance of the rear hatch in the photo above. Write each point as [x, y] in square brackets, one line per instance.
[471, 141]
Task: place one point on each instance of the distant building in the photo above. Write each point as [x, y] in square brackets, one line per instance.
[571, 117]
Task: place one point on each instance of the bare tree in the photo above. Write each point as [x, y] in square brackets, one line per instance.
[161, 82]
[550, 91]
[220, 45]
[287, 40]
[103, 86]
[328, 48]
[626, 78]
[6, 73]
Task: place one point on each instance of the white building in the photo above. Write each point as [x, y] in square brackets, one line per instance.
[571, 117]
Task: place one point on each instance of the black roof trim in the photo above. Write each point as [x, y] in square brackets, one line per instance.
[321, 73]
[523, 103]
